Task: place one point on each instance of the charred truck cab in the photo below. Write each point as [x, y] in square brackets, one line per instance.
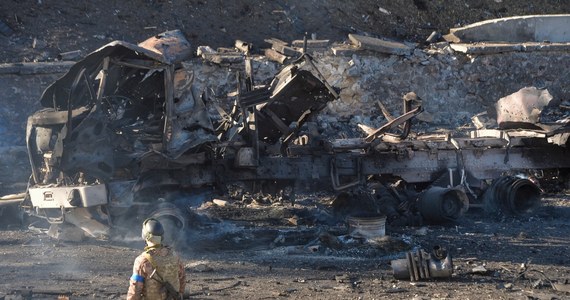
[116, 113]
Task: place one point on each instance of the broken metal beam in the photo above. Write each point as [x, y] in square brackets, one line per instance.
[223, 58]
[274, 41]
[344, 50]
[311, 43]
[396, 122]
[379, 45]
[385, 111]
[289, 51]
[275, 56]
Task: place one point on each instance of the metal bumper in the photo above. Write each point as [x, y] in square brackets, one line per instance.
[68, 197]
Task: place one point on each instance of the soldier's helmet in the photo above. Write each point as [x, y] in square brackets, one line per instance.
[151, 228]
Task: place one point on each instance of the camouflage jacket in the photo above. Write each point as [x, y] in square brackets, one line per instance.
[147, 281]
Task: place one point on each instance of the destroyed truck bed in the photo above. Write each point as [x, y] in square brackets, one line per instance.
[416, 161]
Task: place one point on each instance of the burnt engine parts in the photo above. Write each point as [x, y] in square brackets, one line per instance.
[440, 205]
[420, 264]
[511, 195]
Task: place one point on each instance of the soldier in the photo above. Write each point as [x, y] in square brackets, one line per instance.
[157, 272]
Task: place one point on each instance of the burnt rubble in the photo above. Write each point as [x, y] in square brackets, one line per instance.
[128, 128]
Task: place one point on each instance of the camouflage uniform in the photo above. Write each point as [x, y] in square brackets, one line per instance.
[169, 268]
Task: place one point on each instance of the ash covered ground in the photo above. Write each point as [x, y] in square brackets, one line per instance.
[275, 250]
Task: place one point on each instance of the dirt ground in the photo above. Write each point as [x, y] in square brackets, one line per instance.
[39, 30]
[244, 257]
[256, 252]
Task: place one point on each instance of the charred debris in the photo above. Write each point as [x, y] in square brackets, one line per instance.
[125, 133]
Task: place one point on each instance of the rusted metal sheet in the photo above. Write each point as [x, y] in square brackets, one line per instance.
[171, 45]
[157, 52]
[190, 124]
[296, 95]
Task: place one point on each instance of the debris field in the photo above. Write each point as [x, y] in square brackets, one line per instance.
[277, 175]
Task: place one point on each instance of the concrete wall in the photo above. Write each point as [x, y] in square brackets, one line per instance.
[519, 29]
[20, 98]
[453, 87]
[20, 89]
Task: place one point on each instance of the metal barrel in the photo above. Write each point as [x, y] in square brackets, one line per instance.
[370, 226]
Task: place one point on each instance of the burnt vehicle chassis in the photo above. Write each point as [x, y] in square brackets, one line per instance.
[125, 125]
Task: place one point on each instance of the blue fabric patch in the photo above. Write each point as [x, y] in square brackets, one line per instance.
[137, 278]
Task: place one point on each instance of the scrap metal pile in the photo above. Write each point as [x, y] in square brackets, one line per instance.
[125, 125]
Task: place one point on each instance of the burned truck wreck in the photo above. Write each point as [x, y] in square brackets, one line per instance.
[126, 124]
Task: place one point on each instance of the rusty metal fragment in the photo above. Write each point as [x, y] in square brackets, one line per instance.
[70, 55]
[172, 45]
